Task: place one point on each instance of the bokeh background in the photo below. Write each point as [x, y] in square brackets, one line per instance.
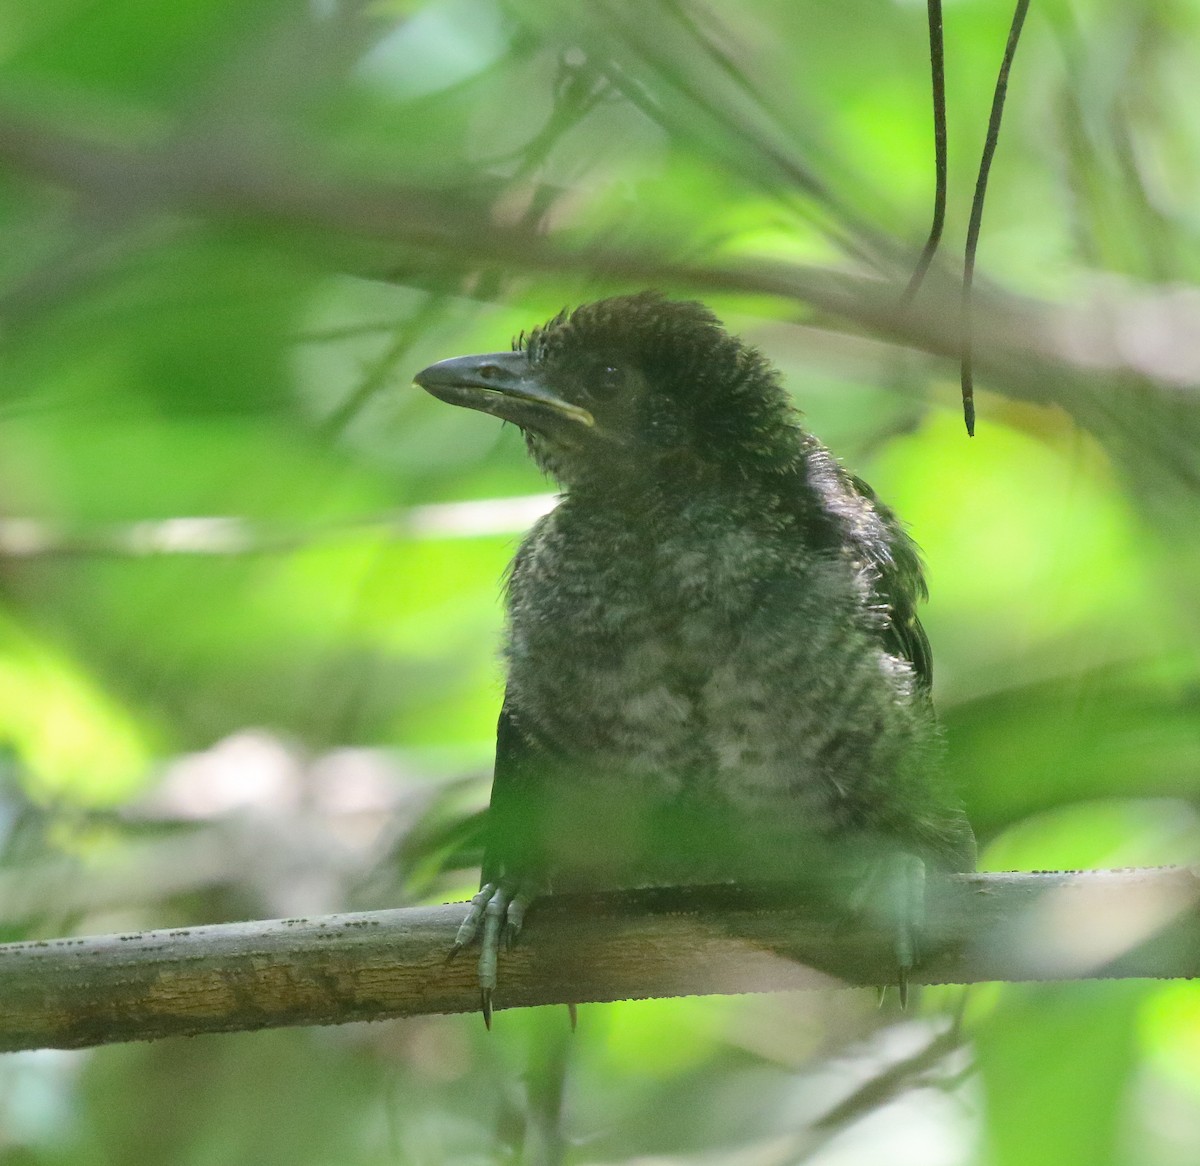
[250, 577]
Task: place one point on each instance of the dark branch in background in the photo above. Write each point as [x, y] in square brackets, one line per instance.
[937, 72]
[985, 165]
[361, 221]
[424, 224]
[74, 993]
[1122, 366]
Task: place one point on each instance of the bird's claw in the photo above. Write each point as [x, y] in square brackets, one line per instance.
[495, 919]
[515, 920]
[894, 891]
[469, 927]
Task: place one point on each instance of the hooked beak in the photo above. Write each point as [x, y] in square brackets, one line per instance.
[501, 383]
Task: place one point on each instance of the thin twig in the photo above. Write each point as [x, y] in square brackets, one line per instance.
[937, 72]
[985, 165]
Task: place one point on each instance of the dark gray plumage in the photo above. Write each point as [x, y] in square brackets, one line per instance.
[715, 666]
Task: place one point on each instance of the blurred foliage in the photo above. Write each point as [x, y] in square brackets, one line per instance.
[249, 614]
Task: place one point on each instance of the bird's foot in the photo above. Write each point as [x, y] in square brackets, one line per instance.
[496, 917]
[893, 893]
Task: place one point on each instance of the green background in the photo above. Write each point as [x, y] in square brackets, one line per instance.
[248, 646]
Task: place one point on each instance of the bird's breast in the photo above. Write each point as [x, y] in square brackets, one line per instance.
[617, 640]
[715, 682]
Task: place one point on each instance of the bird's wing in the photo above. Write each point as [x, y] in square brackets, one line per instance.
[512, 847]
[864, 525]
[901, 586]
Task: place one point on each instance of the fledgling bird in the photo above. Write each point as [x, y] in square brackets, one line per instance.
[715, 667]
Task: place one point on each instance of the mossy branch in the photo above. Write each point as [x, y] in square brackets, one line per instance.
[73, 993]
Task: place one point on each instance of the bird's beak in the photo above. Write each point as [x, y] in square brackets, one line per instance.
[501, 383]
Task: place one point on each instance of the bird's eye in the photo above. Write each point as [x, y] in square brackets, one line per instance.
[606, 382]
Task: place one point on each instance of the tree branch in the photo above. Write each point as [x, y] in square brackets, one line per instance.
[73, 993]
[1034, 350]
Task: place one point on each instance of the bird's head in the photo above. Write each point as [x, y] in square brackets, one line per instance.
[620, 387]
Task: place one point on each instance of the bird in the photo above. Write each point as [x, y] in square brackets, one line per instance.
[715, 669]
